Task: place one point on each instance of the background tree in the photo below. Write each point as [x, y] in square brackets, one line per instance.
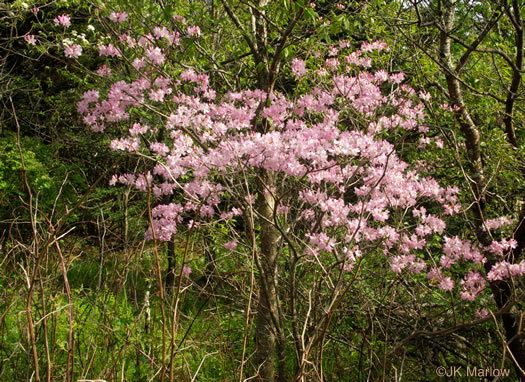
[476, 53]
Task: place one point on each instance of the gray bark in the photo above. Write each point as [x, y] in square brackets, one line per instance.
[267, 311]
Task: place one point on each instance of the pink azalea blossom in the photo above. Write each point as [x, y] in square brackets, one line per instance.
[104, 71]
[108, 50]
[73, 51]
[446, 284]
[299, 67]
[30, 39]
[155, 55]
[482, 313]
[180, 18]
[493, 224]
[63, 20]
[194, 31]
[118, 17]
[377, 45]
[139, 63]
[231, 245]
[161, 32]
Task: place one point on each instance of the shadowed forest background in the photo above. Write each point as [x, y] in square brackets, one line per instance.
[382, 241]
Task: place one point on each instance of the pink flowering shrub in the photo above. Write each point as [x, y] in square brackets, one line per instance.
[339, 177]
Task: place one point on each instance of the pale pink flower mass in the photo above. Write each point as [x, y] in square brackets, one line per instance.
[312, 146]
[108, 50]
[104, 71]
[298, 67]
[231, 245]
[63, 20]
[446, 284]
[30, 39]
[194, 31]
[155, 55]
[482, 313]
[118, 17]
[73, 51]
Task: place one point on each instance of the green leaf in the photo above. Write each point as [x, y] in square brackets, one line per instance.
[260, 67]
[285, 53]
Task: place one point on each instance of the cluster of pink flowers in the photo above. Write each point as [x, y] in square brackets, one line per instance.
[163, 32]
[497, 223]
[473, 285]
[210, 142]
[298, 67]
[194, 31]
[482, 313]
[424, 141]
[63, 20]
[357, 59]
[73, 51]
[456, 249]
[166, 217]
[180, 19]
[409, 262]
[118, 17]
[30, 39]
[502, 246]
[155, 55]
[505, 270]
[377, 45]
[104, 71]
[231, 245]
[447, 107]
[109, 51]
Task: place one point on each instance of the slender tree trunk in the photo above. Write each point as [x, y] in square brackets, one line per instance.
[172, 264]
[209, 256]
[125, 228]
[267, 312]
[170, 254]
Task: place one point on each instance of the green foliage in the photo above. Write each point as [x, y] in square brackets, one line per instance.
[47, 177]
